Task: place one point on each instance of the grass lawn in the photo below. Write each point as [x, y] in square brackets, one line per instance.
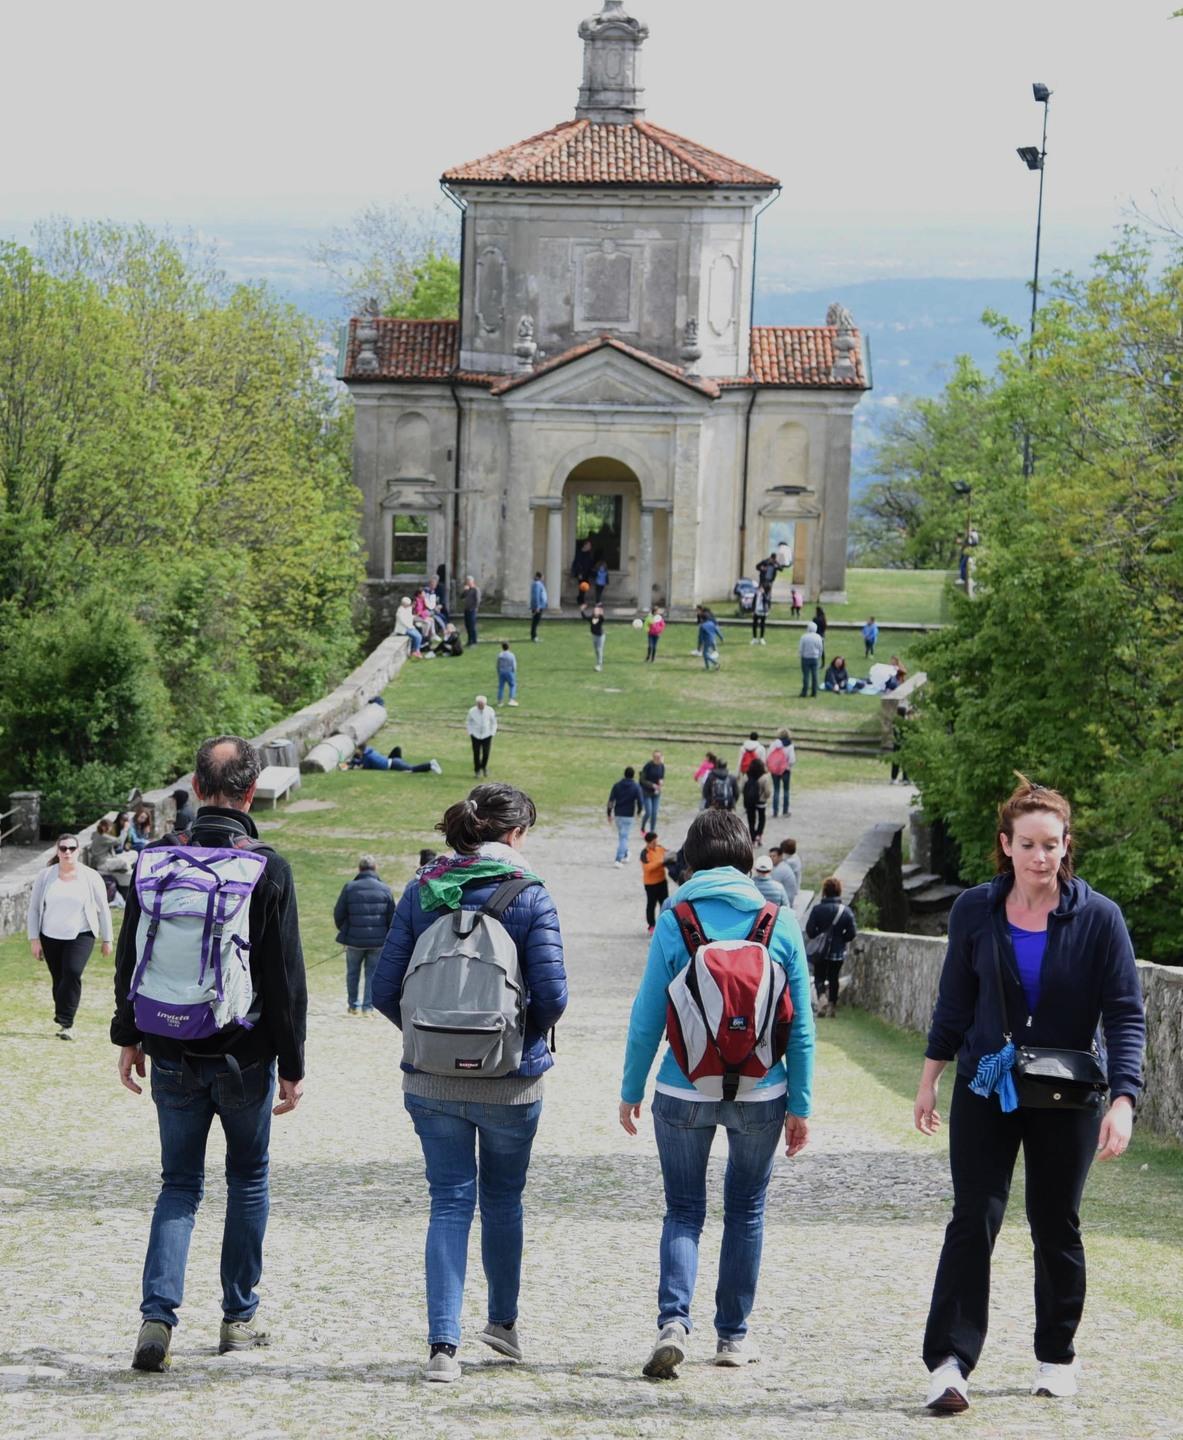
[917, 597]
[569, 739]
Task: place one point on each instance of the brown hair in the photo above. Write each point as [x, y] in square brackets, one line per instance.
[489, 812]
[55, 857]
[1027, 798]
[831, 887]
[717, 838]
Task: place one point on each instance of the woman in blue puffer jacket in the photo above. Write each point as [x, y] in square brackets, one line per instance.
[452, 1115]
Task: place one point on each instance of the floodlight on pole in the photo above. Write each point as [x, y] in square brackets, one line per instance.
[1035, 160]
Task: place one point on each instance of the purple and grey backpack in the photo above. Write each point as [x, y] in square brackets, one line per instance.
[193, 975]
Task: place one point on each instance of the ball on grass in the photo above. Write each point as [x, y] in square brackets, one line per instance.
[638, 623]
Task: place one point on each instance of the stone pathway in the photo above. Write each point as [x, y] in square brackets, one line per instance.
[854, 1226]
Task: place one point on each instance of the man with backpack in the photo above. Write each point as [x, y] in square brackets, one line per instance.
[210, 984]
[720, 790]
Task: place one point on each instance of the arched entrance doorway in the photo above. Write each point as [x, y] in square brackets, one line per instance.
[601, 520]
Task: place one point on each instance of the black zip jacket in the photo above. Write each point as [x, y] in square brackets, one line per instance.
[1088, 977]
[277, 964]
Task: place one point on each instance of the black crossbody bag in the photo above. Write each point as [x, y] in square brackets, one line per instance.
[1046, 1077]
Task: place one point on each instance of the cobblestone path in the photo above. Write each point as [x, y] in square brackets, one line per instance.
[854, 1226]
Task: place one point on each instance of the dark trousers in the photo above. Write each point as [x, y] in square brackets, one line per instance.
[480, 754]
[66, 960]
[898, 769]
[470, 626]
[655, 896]
[1058, 1147]
[868, 648]
[651, 646]
[535, 621]
[825, 978]
[758, 624]
[756, 820]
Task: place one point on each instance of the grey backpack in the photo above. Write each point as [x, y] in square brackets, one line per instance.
[463, 1001]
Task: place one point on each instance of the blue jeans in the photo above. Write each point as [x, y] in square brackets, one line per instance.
[649, 807]
[684, 1130]
[414, 639]
[185, 1108]
[624, 828]
[780, 792]
[505, 682]
[451, 1133]
[355, 957]
[809, 676]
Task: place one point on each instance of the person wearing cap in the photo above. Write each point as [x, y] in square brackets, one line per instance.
[768, 887]
[362, 915]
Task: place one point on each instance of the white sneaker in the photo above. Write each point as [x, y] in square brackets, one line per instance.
[735, 1353]
[599, 667]
[668, 1353]
[696, 652]
[763, 641]
[442, 1367]
[513, 702]
[618, 863]
[1057, 1381]
[754, 641]
[948, 1389]
[436, 767]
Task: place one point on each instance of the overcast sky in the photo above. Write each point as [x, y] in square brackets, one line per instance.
[892, 126]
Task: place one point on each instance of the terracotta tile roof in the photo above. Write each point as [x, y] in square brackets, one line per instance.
[407, 350]
[800, 355]
[579, 152]
[696, 382]
[418, 350]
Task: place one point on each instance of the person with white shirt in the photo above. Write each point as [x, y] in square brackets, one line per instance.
[481, 725]
[67, 909]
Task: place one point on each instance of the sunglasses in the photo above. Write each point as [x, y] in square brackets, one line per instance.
[67, 849]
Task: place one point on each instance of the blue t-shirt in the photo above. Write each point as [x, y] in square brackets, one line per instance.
[1029, 947]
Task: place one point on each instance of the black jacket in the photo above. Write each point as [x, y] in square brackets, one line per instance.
[625, 799]
[277, 964]
[1088, 976]
[832, 915]
[721, 789]
[363, 912]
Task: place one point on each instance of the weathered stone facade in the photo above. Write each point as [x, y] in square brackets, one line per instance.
[605, 373]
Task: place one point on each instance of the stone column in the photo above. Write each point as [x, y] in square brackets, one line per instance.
[26, 823]
[645, 559]
[554, 554]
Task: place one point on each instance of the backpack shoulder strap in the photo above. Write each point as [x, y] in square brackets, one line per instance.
[763, 925]
[694, 937]
[504, 896]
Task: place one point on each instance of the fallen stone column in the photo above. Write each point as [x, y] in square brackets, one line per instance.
[328, 754]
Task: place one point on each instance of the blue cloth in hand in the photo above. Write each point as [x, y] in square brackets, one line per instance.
[994, 1078]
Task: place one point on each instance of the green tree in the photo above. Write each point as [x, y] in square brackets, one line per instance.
[1068, 665]
[378, 255]
[435, 290]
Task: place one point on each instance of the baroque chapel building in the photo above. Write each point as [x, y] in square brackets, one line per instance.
[604, 380]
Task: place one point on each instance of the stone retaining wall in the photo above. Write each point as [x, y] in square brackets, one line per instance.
[896, 977]
[305, 728]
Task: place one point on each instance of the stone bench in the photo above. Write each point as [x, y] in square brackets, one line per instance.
[275, 782]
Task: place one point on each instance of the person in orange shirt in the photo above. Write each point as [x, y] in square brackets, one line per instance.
[657, 887]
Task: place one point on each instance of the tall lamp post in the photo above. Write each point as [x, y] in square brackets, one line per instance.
[1034, 160]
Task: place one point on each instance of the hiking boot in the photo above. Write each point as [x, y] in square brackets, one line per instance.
[442, 1365]
[503, 1339]
[152, 1347]
[735, 1352]
[948, 1389]
[240, 1335]
[1055, 1381]
[668, 1353]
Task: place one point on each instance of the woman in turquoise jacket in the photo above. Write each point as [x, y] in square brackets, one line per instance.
[718, 851]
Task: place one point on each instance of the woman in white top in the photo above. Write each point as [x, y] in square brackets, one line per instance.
[67, 909]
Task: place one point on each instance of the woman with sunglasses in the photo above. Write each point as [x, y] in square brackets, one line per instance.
[67, 909]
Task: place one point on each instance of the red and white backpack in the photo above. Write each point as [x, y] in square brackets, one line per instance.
[728, 1011]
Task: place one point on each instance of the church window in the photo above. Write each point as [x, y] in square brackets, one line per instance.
[408, 550]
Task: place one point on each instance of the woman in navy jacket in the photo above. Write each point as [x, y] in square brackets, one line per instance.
[454, 1117]
[1066, 964]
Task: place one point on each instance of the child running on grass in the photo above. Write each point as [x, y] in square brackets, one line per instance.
[653, 874]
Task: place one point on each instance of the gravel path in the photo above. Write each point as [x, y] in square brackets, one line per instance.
[853, 1232]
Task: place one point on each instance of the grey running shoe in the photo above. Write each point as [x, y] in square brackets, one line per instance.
[735, 1352]
[442, 1367]
[240, 1335]
[152, 1347]
[668, 1353]
[436, 767]
[503, 1339]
